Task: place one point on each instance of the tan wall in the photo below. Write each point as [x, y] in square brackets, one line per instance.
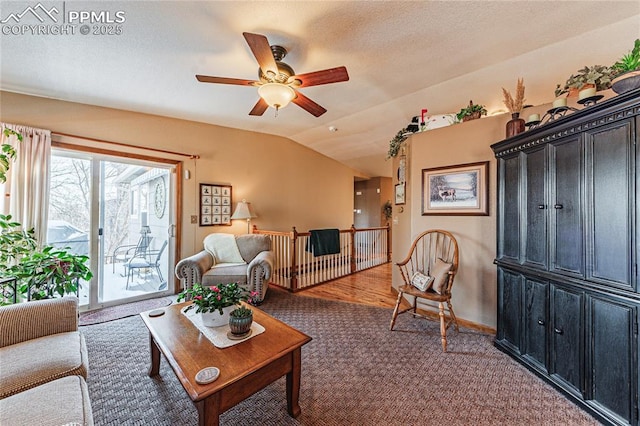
[287, 183]
[474, 294]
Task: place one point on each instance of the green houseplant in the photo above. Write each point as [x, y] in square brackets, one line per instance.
[598, 76]
[7, 153]
[471, 112]
[396, 143]
[629, 62]
[387, 210]
[627, 71]
[214, 298]
[214, 303]
[41, 273]
[48, 272]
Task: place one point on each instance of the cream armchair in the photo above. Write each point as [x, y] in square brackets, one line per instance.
[252, 271]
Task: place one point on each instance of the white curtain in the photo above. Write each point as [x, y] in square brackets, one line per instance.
[28, 178]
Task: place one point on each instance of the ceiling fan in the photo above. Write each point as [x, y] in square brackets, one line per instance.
[278, 84]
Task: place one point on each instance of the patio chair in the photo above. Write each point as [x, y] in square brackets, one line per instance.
[428, 273]
[144, 262]
[124, 253]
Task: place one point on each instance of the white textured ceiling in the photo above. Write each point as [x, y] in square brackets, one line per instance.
[401, 57]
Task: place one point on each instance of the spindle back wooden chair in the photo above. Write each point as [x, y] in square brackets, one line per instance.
[434, 253]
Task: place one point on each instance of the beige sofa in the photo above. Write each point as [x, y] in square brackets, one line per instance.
[44, 364]
[253, 273]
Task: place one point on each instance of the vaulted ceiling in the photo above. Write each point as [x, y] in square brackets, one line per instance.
[401, 57]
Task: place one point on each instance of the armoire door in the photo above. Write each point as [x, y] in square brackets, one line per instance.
[535, 209]
[510, 308]
[536, 321]
[566, 204]
[612, 353]
[610, 195]
[509, 215]
[566, 338]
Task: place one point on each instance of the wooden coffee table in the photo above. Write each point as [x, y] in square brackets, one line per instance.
[245, 368]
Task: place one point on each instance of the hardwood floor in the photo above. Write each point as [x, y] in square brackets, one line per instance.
[372, 287]
[369, 287]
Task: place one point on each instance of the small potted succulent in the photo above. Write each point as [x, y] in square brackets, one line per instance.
[627, 71]
[240, 320]
[471, 112]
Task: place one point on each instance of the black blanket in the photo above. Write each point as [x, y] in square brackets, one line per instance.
[324, 241]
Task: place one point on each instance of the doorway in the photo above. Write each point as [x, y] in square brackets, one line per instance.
[120, 212]
[369, 199]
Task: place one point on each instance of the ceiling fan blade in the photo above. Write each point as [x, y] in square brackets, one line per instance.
[308, 105]
[225, 80]
[332, 75]
[259, 108]
[260, 48]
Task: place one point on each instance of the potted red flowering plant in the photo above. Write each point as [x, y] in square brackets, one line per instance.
[214, 303]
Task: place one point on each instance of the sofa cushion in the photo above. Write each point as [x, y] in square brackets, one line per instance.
[223, 248]
[34, 362]
[250, 245]
[225, 274]
[63, 401]
[26, 321]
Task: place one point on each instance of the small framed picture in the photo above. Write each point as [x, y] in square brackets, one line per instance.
[400, 193]
[215, 204]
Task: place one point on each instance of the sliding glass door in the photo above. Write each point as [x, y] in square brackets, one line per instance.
[119, 211]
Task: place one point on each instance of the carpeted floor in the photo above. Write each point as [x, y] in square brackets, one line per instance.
[122, 311]
[354, 371]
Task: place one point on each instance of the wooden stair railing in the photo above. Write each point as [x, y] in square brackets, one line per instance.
[296, 269]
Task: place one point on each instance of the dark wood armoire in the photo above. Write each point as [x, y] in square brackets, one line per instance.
[568, 243]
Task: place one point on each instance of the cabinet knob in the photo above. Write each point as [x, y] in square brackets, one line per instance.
[541, 206]
[557, 206]
[557, 331]
[541, 322]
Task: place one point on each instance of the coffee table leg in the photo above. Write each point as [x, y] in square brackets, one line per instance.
[154, 370]
[293, 384]
[209, 411]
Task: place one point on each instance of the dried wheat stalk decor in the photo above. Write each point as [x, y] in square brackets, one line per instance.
[514, 105]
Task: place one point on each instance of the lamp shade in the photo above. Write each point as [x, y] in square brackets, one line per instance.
[243, 211]
[276, 95]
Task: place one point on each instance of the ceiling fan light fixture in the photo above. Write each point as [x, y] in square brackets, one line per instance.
[276, 95]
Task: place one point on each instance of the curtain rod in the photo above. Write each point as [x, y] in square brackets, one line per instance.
[190, 156]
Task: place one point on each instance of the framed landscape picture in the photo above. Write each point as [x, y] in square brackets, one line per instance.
[456, 190]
